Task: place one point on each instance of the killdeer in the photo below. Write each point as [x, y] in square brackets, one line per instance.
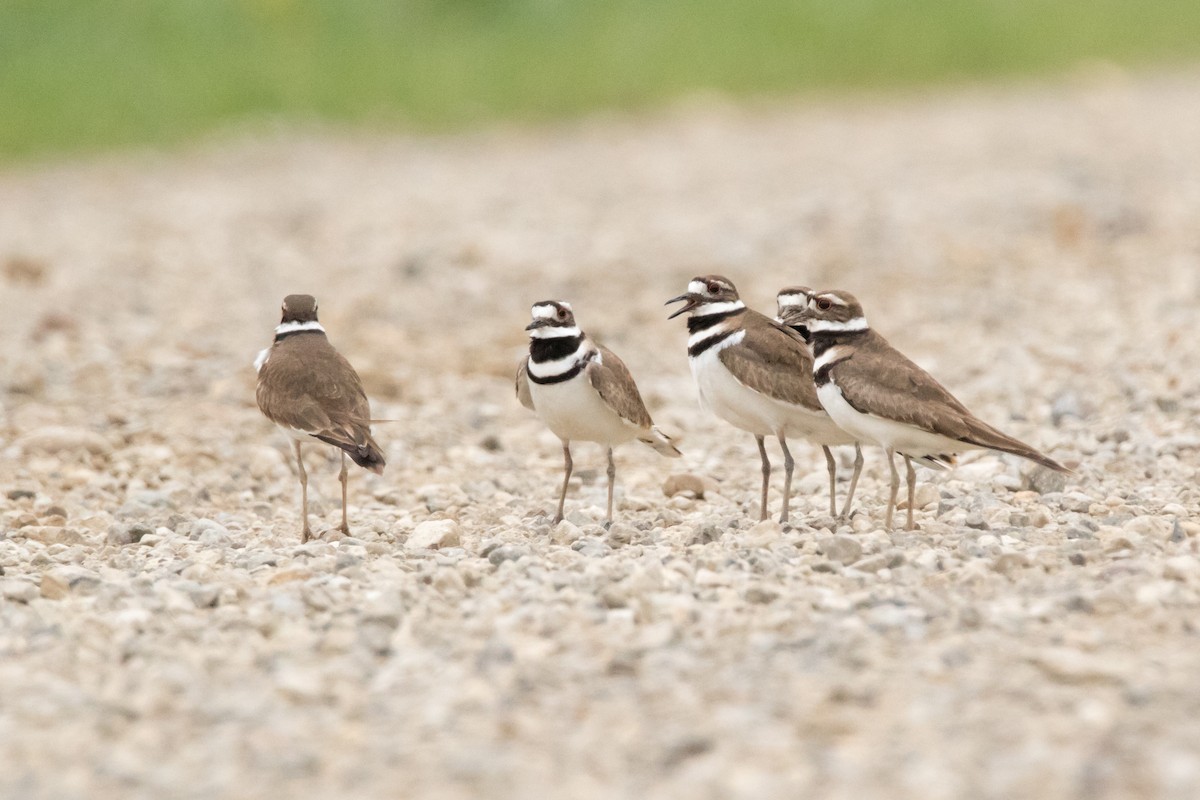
[582, 391]
[308, 389]
[755, 373]
[785, 300]
[877, 395]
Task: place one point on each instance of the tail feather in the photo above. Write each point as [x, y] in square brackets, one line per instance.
[367, 455]
[992, 439]
[661, 443]
[935, 461]
[1025, 451]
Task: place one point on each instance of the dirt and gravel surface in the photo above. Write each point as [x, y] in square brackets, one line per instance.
[163, 633]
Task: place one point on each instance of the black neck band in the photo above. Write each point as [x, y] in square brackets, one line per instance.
[701, 346]
[820, 341]
[706, 321]
[554, 348]
[562, 376]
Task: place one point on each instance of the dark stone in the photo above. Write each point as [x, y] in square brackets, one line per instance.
[504, 553]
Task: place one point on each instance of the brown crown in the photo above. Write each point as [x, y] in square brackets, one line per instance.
[299, 308]
[718, 288]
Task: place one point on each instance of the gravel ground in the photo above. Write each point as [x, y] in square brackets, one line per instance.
[163, 633]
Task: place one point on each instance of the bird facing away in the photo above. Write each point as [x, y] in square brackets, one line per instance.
[877, 395]
[755, 374]
[310, 391]
[582, 391]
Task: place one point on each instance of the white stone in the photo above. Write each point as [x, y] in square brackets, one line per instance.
[62, 581]
[1154, 527]
[432, 534]
[763, 534]
[59, 439]
[1068, 665]
[841, 548]
[1182, 568]
[566, 532]
[20, 591]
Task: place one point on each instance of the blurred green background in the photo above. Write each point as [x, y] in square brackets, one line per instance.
[82, 75]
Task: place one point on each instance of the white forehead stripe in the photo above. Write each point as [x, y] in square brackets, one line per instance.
[548, 311]
[787, 300]
[292, 327]
[698, 287]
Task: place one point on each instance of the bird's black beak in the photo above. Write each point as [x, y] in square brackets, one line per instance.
[693, 300]
[537, 323]
[796, 319]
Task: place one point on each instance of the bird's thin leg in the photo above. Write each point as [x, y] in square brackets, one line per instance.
[766, 473]
[858, 465]
[342, 476]
[612, 476]
[831, 465]
[788, 464]
[912, 490]
[567, 466]
[891, 457]
[306, 532]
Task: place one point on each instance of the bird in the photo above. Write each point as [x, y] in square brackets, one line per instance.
[309, 389]
[582, 392]
[878, 395]
[756, 374]
[785, 299]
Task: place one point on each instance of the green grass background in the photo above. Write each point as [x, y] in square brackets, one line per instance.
[80, 75]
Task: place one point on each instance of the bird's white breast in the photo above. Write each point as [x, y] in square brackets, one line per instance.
[574, 411]
[739, 405]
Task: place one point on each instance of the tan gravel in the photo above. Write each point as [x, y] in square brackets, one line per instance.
[164, 634]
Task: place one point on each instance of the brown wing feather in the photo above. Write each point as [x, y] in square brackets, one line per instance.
[612, 379]
[880, 380]
[322, 396]
[522, 387]
[773, 360]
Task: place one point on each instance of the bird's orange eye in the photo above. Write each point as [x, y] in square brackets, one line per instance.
[824, 304]
[713, 287]
[562, 314]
